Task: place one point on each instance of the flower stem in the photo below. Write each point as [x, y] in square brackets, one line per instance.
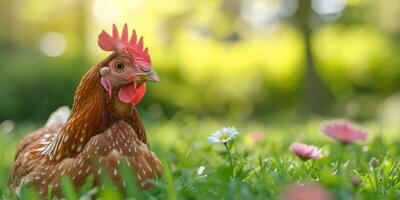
[313, 170]
[304, 168]
[339, 167]
[230, 158]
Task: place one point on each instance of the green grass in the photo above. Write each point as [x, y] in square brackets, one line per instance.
[262, 170]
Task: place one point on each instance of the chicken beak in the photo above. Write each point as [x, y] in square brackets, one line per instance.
[151, 76]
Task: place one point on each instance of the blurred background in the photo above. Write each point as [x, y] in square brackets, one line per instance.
[235, 60]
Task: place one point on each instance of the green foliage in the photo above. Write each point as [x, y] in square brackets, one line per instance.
[196, 169]
[129, 179]
[68, 188]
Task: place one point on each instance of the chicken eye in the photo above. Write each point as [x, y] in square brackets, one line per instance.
[119, 66]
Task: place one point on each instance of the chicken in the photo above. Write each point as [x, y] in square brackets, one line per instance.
[103, 129]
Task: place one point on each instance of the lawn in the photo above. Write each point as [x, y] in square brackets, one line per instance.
[262, 165]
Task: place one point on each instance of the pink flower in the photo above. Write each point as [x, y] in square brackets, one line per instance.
[256, 136]
[343, 132]
[305, 152]
[306, 191]
[356, 181]
[374, 162]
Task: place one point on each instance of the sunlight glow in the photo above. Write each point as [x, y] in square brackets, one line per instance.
[106, 10]
[329, 10]
[260, 13]
[266, 13]
[53, 44]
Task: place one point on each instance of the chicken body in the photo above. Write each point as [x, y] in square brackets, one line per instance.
[100, 133]
[102, 154]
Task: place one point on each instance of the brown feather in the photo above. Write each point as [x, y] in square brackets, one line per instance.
[99, 134]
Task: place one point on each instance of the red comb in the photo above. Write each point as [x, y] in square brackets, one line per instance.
[133, 47]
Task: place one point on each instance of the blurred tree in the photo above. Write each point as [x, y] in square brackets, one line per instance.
[314, 91]
[248, 58]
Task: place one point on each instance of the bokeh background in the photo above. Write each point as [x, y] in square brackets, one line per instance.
[229, 59]
[274, 69]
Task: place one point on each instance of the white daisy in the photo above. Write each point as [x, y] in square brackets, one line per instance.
[201, 169]
[223, 135]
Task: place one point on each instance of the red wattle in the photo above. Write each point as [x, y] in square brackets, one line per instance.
[140, 91]
[127, 93]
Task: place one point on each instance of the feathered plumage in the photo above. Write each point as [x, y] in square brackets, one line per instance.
[101, 132]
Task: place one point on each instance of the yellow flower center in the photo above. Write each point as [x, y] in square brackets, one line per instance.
[224, 137]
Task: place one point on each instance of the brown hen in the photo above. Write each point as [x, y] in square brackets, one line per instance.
[103, 130]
